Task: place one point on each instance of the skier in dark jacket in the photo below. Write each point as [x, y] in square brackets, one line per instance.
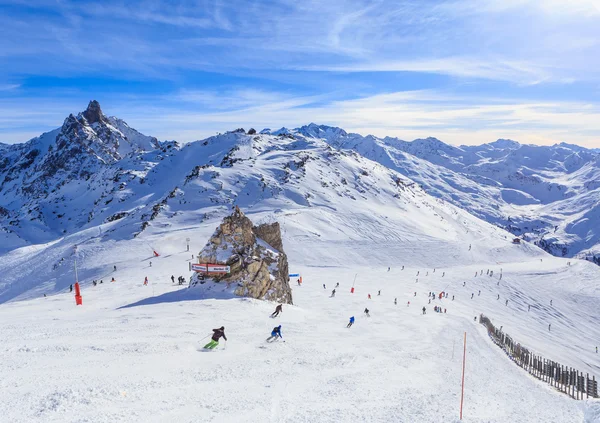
[333, 293]
[367, 312]
[275, 333]
[71, 288]
[278, 310]
[173, 279]
[217, 334]
[424, 309]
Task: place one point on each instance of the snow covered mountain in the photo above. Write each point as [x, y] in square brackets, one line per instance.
[547, 194]
[96, 169]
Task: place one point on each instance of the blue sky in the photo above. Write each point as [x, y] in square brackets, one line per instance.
[464, 71]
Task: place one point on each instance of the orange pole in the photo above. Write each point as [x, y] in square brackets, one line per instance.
[462, 389]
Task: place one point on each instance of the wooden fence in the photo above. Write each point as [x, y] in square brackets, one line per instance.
[572, 382]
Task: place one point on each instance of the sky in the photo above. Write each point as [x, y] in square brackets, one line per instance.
[464, 71]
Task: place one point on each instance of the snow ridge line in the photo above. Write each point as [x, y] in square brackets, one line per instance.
[565, 379]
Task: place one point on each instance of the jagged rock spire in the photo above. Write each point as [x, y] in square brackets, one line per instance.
[93, 113]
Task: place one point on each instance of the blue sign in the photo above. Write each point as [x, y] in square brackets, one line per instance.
[294, 275]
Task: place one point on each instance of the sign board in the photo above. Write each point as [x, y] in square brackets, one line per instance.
[294, 275]
[211, 268]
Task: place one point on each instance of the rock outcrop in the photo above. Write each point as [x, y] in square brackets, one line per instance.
[258, 264]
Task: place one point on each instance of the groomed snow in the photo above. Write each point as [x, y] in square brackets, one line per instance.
[132, 353]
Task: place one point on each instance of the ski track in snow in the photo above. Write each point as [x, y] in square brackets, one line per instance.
[130, 353]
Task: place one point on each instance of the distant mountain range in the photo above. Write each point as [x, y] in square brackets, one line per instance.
[96, 169]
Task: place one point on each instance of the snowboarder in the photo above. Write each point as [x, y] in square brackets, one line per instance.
[424, 309]
[275, 333]
[146, 280]
[367, 312]
[217, 334]
[71, 288]
[173, 279]
[351, 322]
[278, 309]
[333, 293]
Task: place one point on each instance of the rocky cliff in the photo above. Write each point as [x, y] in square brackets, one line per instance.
[258, 264]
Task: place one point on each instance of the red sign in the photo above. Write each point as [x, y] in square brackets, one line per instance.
[211, 268]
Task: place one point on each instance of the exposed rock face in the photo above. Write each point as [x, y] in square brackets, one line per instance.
[93, 113]
[259, 267]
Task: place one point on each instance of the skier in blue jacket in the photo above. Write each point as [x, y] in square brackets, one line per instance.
[351, 322]
[275, 333]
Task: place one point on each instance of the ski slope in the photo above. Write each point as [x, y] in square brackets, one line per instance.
[132, 353]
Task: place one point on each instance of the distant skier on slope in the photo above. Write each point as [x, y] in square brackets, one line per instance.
[278, 309]
[324, 287]
[479, 293]
[146, 280]
[395, 301]
[333, 293]
[71, 288]
[424, 309]
[379, 293]
[217, 334]
[114, 268]
[351, 322]
[506, 303]
[275, 333]
[173, 279]
[367, 312]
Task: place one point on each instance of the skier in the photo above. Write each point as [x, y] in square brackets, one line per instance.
[427, 274]
[472, 295]
[112, 280]
[506, 303]
[429, 301]
[333, 293]
[434, 270]
[369, 296]
[479, 293]
[278, 309]
[550, 302]
[396, 301]
[453, 298]
[298, 282]
[498, 297]
[596, 350]
[275, 333]
[388, 269]
[217, 334]
[402, 267]
[379, 293]
[101, 281]
[367, 312]
[94, 283]
[469, 247]
[115, 268]
[173, 279]
[464, 283]
[150, 264]
[424, 309]
[529, 307]
[71, 288]
[418, 272]
[146, 280]
[549, 326]
[475, 274]
[415, 293]
[443, 274]
[351, 322]
[337, 285]
[324, 286]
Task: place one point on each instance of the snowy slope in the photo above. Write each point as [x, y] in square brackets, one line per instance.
[130, 353]
[518, 187]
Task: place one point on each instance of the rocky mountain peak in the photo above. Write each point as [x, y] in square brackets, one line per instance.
[93, 113]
